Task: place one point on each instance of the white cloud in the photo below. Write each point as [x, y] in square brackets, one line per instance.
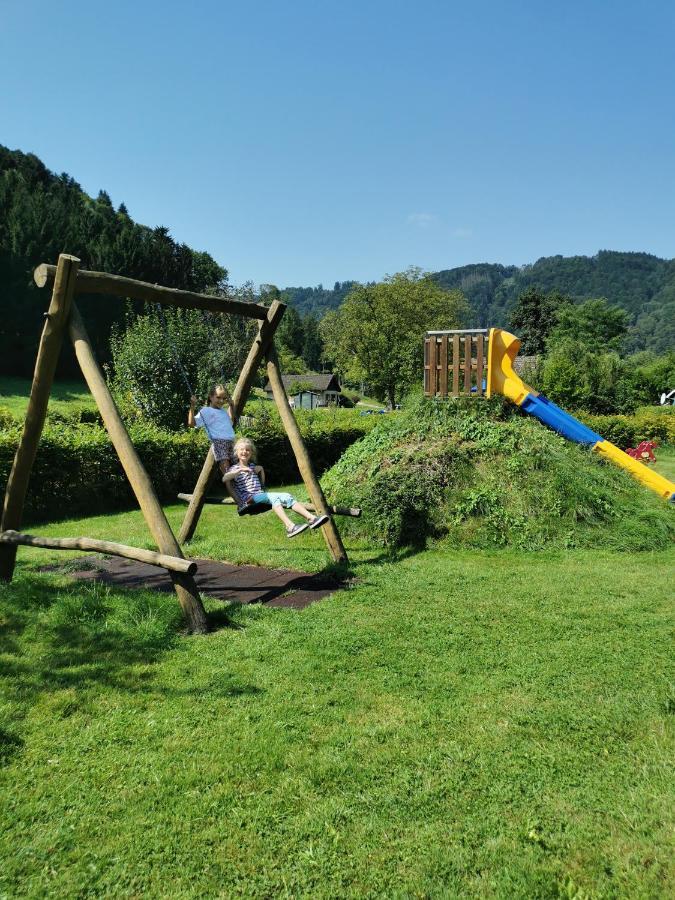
[462, 232]
[422, 219]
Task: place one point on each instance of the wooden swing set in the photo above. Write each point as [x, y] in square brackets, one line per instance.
[63, 316]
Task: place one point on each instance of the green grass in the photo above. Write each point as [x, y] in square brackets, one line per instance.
[14, 393]
[490, 724]
[255, 540]
[665, 462]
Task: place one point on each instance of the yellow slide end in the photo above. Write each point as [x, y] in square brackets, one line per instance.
[642, 472]
[502, 350]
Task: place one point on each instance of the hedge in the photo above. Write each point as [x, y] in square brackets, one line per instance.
[627, 431]
[77, 471]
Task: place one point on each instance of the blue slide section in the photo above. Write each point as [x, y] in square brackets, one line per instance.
[559, 420]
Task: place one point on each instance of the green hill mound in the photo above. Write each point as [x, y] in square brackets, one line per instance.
[480, 474]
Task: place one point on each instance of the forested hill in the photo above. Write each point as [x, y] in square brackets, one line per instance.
[316, 301]
[43, 214]
[642, 284]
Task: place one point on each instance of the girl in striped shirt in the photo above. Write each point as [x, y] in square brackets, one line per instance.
[247, 480]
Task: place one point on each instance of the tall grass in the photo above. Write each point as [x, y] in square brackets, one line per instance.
[482, 475]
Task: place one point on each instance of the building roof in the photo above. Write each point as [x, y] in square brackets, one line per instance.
[326, 382]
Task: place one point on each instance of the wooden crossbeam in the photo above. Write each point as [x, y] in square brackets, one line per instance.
[119, 286]
[111, 548]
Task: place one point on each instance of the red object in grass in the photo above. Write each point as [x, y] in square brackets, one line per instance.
[644, 451]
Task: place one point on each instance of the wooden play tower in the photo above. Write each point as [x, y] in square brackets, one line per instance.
[455, 363]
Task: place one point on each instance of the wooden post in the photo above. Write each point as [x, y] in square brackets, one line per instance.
[467, 364]
[266, 329]
[185, 586]
[480, 365]
[330, 532]
[433, 367]
[444, 367]
[455, 365]
[45, 366]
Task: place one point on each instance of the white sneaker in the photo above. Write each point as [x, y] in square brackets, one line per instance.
[296, 530]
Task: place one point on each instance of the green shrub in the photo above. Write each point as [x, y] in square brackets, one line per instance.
[7, 420]
[157, 361]
[74, 415]
[602, 383]
[628, 431]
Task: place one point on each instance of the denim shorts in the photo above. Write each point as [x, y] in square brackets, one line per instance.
[222, 449]
[274, 497]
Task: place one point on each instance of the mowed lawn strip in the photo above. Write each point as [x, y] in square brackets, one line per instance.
[491, 724]
[665, 462]
[65, 396]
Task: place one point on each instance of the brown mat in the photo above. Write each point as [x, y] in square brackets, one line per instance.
[241, 584]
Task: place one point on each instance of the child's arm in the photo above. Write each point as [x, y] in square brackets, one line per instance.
[230, 404]
[232, 473]
[260, 472]
[191, 412]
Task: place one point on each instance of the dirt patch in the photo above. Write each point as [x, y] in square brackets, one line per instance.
[240, 584]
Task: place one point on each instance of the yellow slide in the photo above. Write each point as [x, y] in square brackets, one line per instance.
[502, 350]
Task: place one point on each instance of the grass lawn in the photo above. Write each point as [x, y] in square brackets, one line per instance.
[14, 393]
[665, 462]
[455, 724]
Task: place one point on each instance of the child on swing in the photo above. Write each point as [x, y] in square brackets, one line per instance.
[218, 424]
[248, 481]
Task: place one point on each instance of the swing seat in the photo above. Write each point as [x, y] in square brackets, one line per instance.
[254, 509]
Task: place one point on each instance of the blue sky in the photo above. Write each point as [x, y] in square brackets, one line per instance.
[307, 142]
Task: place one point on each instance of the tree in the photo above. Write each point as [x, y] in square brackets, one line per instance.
[377, 335]
[313, 346]
[159, 359]
[291, 333]
[290, 363]
[42, 215]
[595, 325]
[533, 317]
[299, 386]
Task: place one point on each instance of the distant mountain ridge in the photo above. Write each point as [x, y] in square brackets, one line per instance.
[640, 283]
